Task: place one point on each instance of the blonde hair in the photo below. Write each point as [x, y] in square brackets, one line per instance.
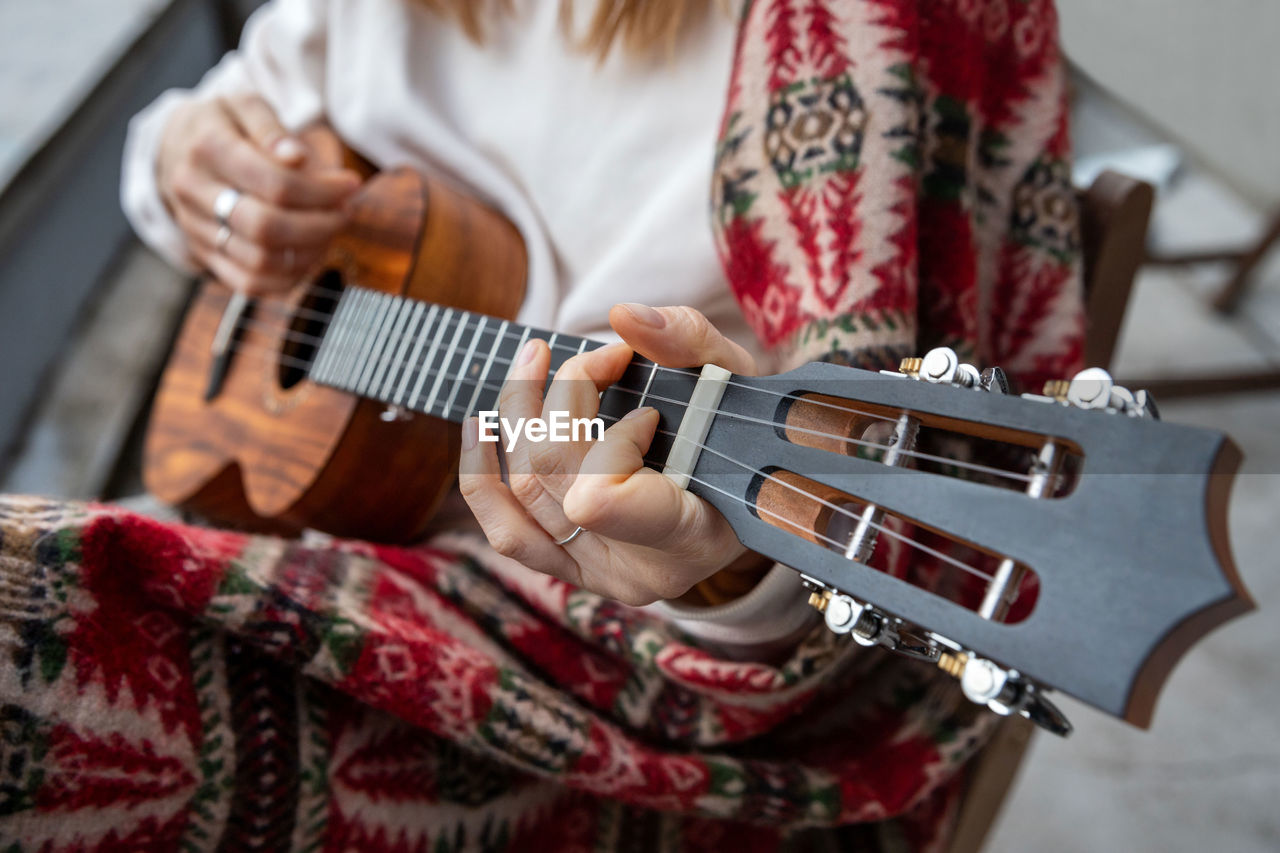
[640, 26]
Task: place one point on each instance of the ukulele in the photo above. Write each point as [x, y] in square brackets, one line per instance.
[1098, 546]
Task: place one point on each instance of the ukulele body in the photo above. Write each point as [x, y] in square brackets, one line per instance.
[273, 451]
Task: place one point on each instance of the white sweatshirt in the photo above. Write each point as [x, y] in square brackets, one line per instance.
[605, 168]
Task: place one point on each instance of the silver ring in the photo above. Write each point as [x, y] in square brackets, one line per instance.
[225, 204]
[572, 536]
[223, 238]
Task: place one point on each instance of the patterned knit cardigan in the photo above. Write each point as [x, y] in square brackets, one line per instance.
[890, 175]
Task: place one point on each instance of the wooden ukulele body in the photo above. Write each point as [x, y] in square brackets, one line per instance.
[270, 453]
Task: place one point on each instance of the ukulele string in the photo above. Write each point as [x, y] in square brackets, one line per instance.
[292, 361]
[263, 355]
[836, 508]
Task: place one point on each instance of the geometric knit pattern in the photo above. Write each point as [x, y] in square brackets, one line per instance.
[168, 687]
[890, 175]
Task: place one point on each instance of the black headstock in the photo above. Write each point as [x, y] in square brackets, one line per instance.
[1125, 531]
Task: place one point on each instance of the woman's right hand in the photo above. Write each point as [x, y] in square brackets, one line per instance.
[292, 197]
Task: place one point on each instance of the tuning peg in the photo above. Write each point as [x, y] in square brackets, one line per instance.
[993, 379]
[942, 366]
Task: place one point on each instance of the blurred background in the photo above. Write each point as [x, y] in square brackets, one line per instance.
[1179, 93]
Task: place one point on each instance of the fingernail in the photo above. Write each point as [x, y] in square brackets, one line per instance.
[470, 433]
[289, 149]
[646, 315]
[526, 354]
[638, 413]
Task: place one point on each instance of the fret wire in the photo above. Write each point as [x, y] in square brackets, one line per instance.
[648, 384]
[402, 338]
[368, 333]
[462, 372]
[488, 365]
[411, 334]
[424, 369]
[380, 340]
[424, 334]
[444, 362]
[351, 357]
[375, 343]
[328, 346]
[343, 330]
[399, 314]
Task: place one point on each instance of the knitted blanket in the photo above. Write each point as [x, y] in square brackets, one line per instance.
[891, 174]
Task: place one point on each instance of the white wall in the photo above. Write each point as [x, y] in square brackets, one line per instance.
[1207, 71]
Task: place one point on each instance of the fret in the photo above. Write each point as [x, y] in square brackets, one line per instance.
[462, 368]
[374, 359]
[414, 354]
[320, 370]
[424, 334]
[373, 341]
[498, 338]
[444, 362]
[386, 360]
[424, 369]
[355, 339]
[648, 384]
[400, 366]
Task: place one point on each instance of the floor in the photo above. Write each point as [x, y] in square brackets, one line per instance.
[1207, 774]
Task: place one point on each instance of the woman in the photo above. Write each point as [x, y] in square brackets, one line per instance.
[883, 180]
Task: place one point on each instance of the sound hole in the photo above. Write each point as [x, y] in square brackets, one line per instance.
[307, 328]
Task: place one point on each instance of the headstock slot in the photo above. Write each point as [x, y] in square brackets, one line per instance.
[998, 457]
[829, 517]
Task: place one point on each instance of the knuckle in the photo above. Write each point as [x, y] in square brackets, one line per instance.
[527, 488]
[507, 543]
[547, 460]
[586, 504]
[206, 145]
[274, 188]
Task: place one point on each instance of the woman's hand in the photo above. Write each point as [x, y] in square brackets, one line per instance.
[291, 197]
[644, 538]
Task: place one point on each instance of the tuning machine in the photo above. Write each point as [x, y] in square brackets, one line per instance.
[1093, 388]
[983, 682]
[941, 366]
[1004, 691]
[867, 624]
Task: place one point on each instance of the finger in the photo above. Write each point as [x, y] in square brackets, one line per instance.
[265, 224]
[258, 122]
[678, 337]
[510, 531]
[575, 392]
[238, 162]
[617, 497]
[228, 272]
[521, 397]
[256, 259]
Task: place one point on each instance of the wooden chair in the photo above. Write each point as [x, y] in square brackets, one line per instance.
[1114, 214]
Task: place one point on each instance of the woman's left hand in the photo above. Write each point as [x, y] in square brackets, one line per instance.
[643, 538]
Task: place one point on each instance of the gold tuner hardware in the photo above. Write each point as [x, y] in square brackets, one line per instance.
[818, 600]
[952, 663]
[911, 366]
[1057, 389]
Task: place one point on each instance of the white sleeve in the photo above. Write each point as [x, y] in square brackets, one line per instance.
[758, 626]
[281, 57]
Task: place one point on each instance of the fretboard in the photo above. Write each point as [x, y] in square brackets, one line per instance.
[452, 364]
